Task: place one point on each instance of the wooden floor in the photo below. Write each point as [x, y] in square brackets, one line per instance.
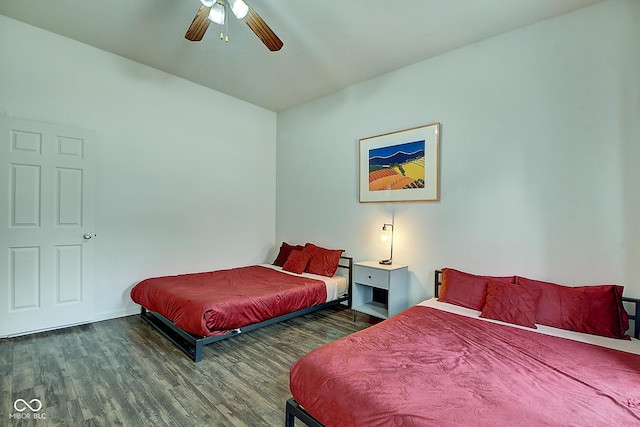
[122, 372]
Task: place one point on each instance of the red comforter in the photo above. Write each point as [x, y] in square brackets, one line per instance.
[428, 367]
[217, 302]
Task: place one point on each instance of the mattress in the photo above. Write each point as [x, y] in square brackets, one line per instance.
[433, 365]
[337, 286]
[218, 302]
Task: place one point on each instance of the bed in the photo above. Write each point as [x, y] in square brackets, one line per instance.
[193, 310]
[443, 363]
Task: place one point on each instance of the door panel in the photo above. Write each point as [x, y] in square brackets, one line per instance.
[69, 277]
[46, 191]
[25, 196]
[69, 197]
[24, 278]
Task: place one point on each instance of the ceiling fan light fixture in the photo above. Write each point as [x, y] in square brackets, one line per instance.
[239, 8]
[216, 14]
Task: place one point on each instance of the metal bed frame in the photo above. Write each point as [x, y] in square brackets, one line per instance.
[192, 345]
[293, 409]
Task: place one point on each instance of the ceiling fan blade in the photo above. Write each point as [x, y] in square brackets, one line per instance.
[262, 30]
[199, 25]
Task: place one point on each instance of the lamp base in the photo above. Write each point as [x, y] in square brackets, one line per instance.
[386, 262]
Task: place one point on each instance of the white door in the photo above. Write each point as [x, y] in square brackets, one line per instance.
[46, 226]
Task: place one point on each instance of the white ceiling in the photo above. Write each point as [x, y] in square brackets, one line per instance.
[328, 45]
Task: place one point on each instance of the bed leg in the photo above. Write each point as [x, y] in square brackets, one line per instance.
[197, 356]
[294, 410]
[289, 419]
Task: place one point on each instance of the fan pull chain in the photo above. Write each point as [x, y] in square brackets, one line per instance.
[225, 36]
[226, 26]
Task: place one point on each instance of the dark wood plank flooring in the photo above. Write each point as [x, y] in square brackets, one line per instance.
[122, 372]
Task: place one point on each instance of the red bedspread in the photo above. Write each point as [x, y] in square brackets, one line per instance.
[428, 367]
[217, 302]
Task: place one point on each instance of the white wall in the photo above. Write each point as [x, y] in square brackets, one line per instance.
[185, 175]
[539, 164]
[540, 154]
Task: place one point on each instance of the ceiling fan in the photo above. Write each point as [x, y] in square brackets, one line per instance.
[214, 10]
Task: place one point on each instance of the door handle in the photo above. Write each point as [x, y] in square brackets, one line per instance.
[87, 236]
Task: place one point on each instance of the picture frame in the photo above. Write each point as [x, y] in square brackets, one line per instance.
[401, 166]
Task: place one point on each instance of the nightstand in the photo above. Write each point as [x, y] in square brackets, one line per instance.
[379, 290]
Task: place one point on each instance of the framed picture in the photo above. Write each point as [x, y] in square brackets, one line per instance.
[401, 166]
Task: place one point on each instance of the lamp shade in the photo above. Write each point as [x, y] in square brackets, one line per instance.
[384, 237]
[216, 14]
[239, 8]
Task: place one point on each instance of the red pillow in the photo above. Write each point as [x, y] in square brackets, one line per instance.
[511, 303]
[323, 261]
[285, 250]
[297, 262]
[596, 310]
[465, 289]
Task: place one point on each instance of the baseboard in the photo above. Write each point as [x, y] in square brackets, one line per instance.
[106, 315]
[38, 331]
[98, 317]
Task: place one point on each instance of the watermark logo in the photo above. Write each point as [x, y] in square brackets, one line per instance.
[21, 405]
[34, 405]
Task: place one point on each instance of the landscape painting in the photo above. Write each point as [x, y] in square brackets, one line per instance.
[397, 167]
[401, 166]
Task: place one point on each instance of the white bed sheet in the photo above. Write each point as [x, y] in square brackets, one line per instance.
[629, 346]
[337, 286]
